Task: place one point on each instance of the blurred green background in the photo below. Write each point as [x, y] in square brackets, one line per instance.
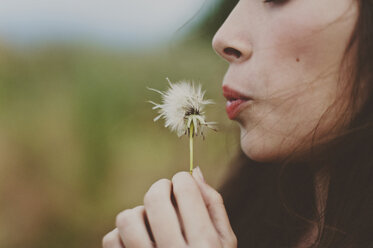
[77, 139]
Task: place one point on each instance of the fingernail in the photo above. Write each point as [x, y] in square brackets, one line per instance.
[199, 174]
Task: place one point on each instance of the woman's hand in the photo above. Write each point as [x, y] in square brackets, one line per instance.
[197, 218]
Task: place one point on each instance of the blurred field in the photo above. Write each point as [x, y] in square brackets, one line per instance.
[78, 143]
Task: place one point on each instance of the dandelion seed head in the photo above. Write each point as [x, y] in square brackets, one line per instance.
[183, 104]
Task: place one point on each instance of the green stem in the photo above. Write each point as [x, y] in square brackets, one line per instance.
[191, 130]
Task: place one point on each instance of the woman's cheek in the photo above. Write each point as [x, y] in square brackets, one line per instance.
[308, 34]
[304, 67]
[300, 59]
[296, 49]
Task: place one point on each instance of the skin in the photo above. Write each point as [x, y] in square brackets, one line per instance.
[289, 57]
[199, 220]
[290, 54]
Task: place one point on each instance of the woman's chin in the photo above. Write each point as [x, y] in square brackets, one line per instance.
[262, 148]
[261, 157]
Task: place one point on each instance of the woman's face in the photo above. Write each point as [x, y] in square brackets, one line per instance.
[285, 55]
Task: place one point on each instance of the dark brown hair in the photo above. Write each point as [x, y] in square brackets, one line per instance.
[274, 204]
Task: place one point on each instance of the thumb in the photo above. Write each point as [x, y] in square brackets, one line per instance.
[215, 206]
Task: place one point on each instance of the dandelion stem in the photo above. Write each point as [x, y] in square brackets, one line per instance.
[191, 134]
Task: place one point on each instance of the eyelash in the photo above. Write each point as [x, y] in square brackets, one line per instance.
[274, 1]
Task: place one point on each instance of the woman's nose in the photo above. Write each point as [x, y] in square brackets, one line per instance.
[229, 45]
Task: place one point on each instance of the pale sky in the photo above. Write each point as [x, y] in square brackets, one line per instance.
[118, 21]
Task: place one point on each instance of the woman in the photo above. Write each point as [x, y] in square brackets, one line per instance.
[299, 85]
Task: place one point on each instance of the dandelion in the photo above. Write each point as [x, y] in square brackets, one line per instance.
[182, 109]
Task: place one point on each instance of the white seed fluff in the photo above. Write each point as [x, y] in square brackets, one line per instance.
[183, 104]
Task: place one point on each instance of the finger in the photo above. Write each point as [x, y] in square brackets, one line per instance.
[132, 228]
[112, 240]
[162, 216]
[198, 226]
[215, 205]
[178, 215]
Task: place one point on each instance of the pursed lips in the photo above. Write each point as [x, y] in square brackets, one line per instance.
[235, 101]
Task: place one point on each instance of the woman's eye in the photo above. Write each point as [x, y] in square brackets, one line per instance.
[274, 1]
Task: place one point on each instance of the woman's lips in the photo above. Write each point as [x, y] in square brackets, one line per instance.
[234, 107]
[236, 102]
